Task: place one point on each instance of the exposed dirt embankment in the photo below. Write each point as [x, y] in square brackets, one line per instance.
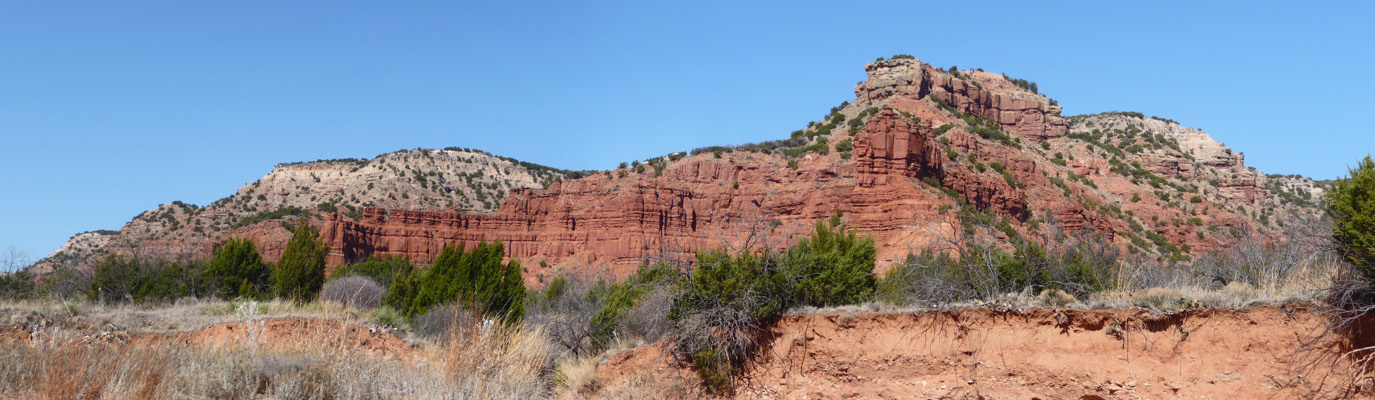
[1259, 352]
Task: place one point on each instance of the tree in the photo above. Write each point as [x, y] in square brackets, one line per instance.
[301, 271]
[832, 267]
[1351, 204]
[236, 270]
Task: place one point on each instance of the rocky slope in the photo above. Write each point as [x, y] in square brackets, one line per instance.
[921, 154]
[462, 180]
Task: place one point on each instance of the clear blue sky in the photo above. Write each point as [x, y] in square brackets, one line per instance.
[111, 108]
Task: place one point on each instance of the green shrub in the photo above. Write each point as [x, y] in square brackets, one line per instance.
[715, 370]
[118, 278]
[476, 277]
[831, 268]
[617, 301]
[301, 272]
[845, 145]
[1351, 204]
[792, 164]
[720, 309]
[18, 285]
[236, 270]
[387, 316]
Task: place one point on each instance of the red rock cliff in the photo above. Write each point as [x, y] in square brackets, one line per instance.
[700, 202]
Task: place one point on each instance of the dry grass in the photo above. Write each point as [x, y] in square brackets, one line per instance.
[490, 360]
[480, 361]
[576, 377]
[183, 315]
[645, 385]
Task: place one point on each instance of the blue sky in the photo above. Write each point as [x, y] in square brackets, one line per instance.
[111, 108]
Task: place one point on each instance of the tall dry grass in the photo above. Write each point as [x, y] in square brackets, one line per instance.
[490, 360]
[480, 361]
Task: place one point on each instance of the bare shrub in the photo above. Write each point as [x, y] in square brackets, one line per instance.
[564, 311]
[1055, 298]
[648, 321]
[1166, 300]
[1297, 267]
[355, 291]
[972, 265]
[582, 318]
[1233, 296]
[441, 321]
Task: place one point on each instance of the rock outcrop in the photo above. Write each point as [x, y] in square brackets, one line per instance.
[1198, 158]
[905, 82]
